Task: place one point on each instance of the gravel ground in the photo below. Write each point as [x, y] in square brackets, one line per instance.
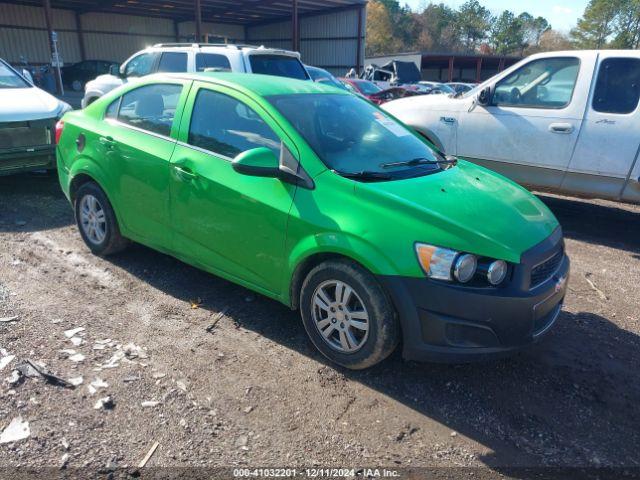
[237, 383]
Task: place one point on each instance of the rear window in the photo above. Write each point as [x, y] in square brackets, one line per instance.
[278, 65]
[212, 60]
[618, 86]
[173, 62]
[151, 107]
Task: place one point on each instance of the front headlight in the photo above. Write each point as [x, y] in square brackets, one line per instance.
[450, 265]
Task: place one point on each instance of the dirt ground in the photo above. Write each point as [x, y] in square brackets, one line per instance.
[252, 391]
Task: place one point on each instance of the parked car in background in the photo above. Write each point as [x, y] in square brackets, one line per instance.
[247, 177]
[392, 74]
[373, 92]
[194, 57]
[460, 88]
[75, 76]
[27, 123]
[565, 121]
[320, 75]
[431, 88]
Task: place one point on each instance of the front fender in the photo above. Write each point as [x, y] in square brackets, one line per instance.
[336, 243]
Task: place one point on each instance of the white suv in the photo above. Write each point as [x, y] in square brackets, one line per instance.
[198, 57]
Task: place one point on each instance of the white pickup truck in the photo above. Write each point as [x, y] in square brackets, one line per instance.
[564, 121]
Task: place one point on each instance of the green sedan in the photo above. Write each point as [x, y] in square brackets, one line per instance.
[315, 197]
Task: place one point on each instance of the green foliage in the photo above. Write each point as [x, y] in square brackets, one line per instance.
[609, 24]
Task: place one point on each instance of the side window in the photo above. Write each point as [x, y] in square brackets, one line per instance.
[618, 86]
[223, 125]
[112, 109]
[151, 107]
[173, 62]
[140, 66]
[212, 60]
[544, 83]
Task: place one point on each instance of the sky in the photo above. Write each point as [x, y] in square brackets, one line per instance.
[561, 14]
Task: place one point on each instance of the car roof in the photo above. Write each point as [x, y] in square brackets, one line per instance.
[263, 85]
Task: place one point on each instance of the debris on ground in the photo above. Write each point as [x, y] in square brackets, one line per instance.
[77, 358]
[76, 381]
[114, 361]
[600, 293]
[8, 319]
[149, 454]
[99, 383]
[105, 403]
[196, 303]
[14, 378]
[131, 350]
[216, 318]
[150, 404]
[77, 341]
[32, 370]
[6, 360]
[64, 460]
[72, 332]
[18, 429]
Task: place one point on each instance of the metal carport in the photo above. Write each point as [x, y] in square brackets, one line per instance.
[328, 33]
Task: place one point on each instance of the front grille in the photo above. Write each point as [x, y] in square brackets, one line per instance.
[543, 271]
[26, 134]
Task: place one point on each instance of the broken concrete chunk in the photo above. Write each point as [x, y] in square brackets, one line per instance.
[99, 383]
[6, 360]
[72, 332]
[78, 357]
[76, 381]
[105, 403]
[77, 341]
[18, 429]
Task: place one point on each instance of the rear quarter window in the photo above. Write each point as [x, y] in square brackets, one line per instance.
[617, 86]
[212, 60]
[278, 65]
[151, 107]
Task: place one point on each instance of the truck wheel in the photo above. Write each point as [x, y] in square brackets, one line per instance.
[96, 221]
[76, 85]
[348, 315]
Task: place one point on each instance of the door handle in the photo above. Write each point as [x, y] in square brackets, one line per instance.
[448, 120]
[107, 141]
[184, 173]
[561, 128]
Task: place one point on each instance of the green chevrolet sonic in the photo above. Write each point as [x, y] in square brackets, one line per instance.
[315, 197]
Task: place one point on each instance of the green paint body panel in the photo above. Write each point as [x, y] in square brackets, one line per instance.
[256, 230]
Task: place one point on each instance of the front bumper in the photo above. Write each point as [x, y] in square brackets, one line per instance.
[453, 323]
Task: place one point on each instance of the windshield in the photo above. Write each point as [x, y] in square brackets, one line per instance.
[368, 88]
[324, 77]
[278, 65]
[10, 79]
[351, 136]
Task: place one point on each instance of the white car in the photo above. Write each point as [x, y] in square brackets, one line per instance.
[196, 57]
[564, 121]
[28, 117]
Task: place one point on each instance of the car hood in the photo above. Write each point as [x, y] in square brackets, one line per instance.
[467, 208]
[420, 102]
[23, 104]
[104, 83]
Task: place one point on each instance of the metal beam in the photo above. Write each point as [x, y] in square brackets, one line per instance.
[359, 41]
[83, 51]
[47, 17]
[198, 8]
[295, 31]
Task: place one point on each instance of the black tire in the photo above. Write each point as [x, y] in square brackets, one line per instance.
[113, 241]
[383, 332]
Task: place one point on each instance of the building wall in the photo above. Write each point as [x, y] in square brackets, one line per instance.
[23, 34]
[328, 40]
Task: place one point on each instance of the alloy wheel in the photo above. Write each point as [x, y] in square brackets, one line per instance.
[340, 316]
[92, 219]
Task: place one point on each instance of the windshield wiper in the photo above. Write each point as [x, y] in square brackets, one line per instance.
[421, 161]
[365, 175]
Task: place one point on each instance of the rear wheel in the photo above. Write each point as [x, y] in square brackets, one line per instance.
[76, 85]
[96, 221]
[348, 315]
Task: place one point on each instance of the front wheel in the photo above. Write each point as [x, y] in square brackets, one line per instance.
[348, 315]
[96, 220]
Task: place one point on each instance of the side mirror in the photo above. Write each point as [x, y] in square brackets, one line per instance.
[115, 70]
[27, 75]
[257, 162]
[484, 97]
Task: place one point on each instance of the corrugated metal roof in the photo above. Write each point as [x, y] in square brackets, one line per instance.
[243, 12]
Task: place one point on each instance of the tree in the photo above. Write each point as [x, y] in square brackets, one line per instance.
[597, 24]
[507, 33]
[552, 40]
[379, 30]
[473, 21]
[436, 28]
[627, 25]
[533, 28]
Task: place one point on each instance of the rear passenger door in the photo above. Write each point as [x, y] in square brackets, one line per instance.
[608, 143]
[136, 145]
[231, 224]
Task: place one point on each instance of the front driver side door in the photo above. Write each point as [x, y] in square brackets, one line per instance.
[231, 224]
[529, 130]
